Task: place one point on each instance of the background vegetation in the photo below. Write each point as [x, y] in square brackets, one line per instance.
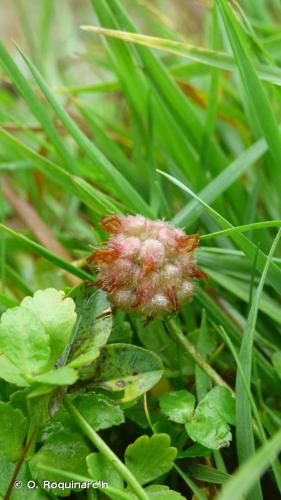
[136, 117]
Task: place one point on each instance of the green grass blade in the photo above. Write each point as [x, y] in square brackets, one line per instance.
[121, 186]
[202, 381]
[249, 248]
[256, 95]
[215, 59]
[36, 107]
[92, 198]
[242, 229]
[244, 431]
[188, 214]
[246, 476]
[43, 252]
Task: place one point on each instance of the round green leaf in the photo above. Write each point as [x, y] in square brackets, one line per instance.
[177, 405]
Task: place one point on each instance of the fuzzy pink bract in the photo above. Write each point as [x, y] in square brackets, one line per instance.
[146, 265]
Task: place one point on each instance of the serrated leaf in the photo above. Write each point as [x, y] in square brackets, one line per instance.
[99, 410]
[150, 457]
[24, 341]
[68, 451]
[93, 326]
[57, 313]
[177, 405]
[62, 376]
[13, 427]
[100, 469]
[122, 367]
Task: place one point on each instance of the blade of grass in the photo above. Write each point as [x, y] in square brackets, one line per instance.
[249, 248]
[244, 431]
[276, 464]
[194, 488]
[215, 59]
[241, 289]
[121, 186]
[246, 476]
[242, 229]
[188, 214]
[92, 198]
[137, 87]
[168, 91]
[256, 95]
[220, 316]
[36, 107]
[35, 247]
[202, 381]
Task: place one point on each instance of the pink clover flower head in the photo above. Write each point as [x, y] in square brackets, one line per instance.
[146, 265]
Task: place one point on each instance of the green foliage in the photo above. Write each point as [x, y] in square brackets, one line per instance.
[99, 411]
[177, 405]
[93, 326]
[123, 368]
[57, 313]
[67, 451]
[159, 492]
[209, 424]
[33, 335]
[161, 125]
[100, 469]
[150, 457]
[13, 426]
[276, 361]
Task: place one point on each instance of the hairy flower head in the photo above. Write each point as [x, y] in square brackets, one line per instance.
[146, 265]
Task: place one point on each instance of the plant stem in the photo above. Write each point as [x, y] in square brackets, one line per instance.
[20, 462]
[106, 451]
[189, 347]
